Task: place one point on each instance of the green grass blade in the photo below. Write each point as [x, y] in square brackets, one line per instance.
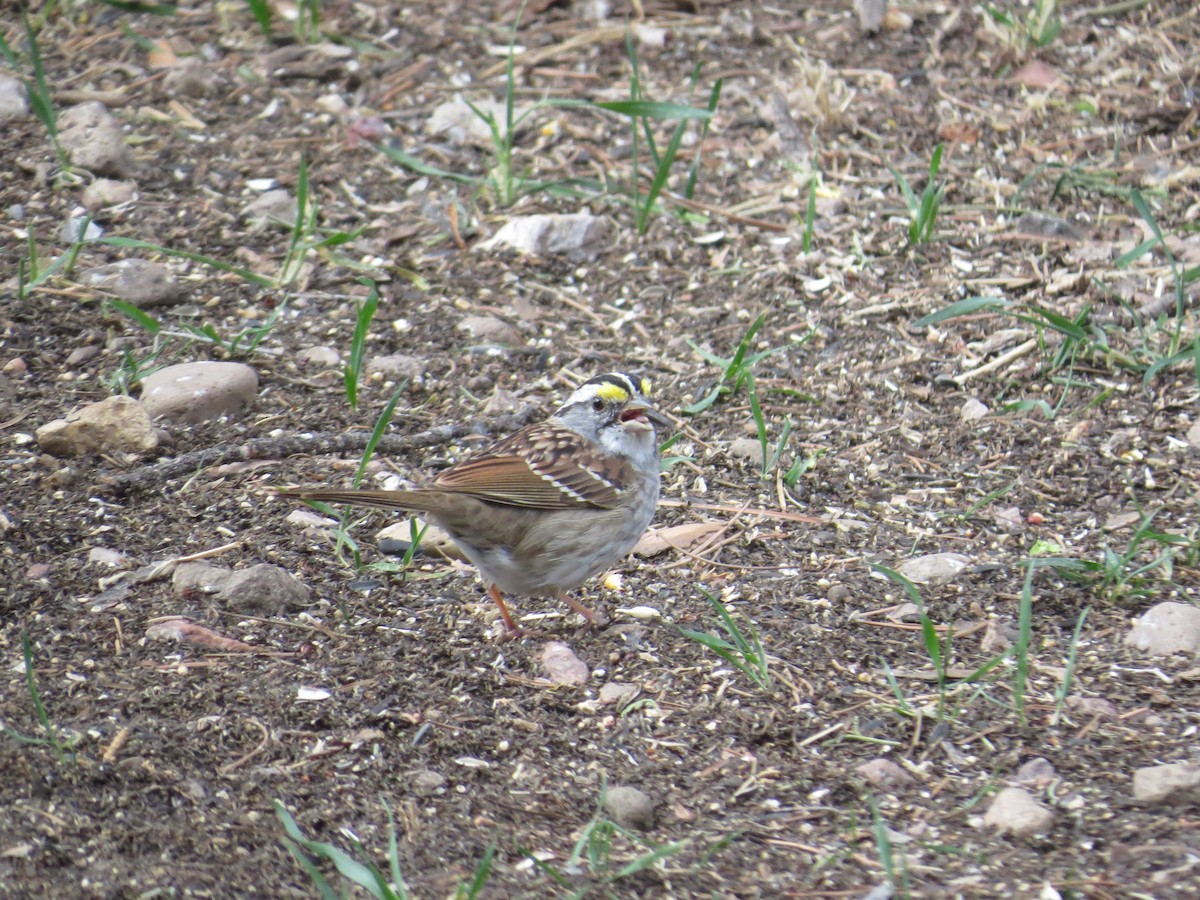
[962, 308]
[381, 425]
[135, 244]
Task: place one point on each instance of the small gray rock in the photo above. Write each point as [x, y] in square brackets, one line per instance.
[629, 807]
[93, 140]
[870, 14]
[884, 773]
[276, 207]
[1036, 772]
[746, 448]
[396, 366]
[114, 424]
[426, 781]
[199, 391]
[492, 330]
[264, 588]
[140, 282]
[1171, 783]
[933, 568]
[1015, 812]
[191, 78]
[107, 192]
[562, 666]
[81, 355]
[460, 124]
[973, 410]
[14, 99]
[199, 576]
[321, 356]
[1167, 628]
[576, 235]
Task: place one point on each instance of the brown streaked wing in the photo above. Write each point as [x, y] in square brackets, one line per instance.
[540, 467]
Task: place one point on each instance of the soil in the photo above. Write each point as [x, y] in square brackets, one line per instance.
[391, 693]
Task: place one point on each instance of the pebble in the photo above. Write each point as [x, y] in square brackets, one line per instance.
[973, 410]
[106, 556]
[199, 391]
[80, 355]
[562, 666]
[1036, 772]
[14, 99]
[578, 236]
[199, 576]
[1014, 811]
[274, 207]
[321, 356]
[107, 192]
[1170, 783]
[618, 692]
[113, 424]
[934, 568]
[264, 588]
[191, 77]
[395, 540]
[746, 448]
[92, 140]
[459, 123]
[1167, 628]
[140, 282]
[1193, 435]
[426, 781]
[492, 330]
[629, 807]
[310, 519]
[884, 773]
[396, 366]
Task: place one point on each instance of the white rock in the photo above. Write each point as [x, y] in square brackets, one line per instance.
[14, 100]
[1167, 628]
[577, 235]
[307, 518]
[562, 666]
[973, 410]
[143, 283]
[264, 588]
[1015, 812]
[321, 356]
[199, 576]
[1174, 782]
[92, 140]
[274, 207]
[1037, 772]
[629, 807]
[884, 773]
[397, 365]
[934, 568]
[746, 448]
[113, 424]
[618, 692]
[492, 330]
[199, 391]
[458, 122]
[108, 192]
[1193, 435]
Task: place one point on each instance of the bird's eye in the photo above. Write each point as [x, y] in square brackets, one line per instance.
[598, 404]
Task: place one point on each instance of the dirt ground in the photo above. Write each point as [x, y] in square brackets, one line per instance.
[1043, 429]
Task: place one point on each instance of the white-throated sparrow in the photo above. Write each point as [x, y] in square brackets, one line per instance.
[544, 509]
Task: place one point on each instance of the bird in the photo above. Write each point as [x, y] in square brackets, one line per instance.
[541, 511]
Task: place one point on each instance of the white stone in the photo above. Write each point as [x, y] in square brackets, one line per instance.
[199, 391]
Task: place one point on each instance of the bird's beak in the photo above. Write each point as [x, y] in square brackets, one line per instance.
[643, 414]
